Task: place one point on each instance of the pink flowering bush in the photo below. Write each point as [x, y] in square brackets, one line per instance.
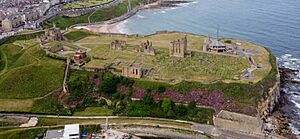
[95, 80]
[123, 90]
[139, 92]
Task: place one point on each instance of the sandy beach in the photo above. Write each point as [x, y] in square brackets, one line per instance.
[108, 26]
[99, 28]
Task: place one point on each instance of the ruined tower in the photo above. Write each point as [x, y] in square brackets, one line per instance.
[178, 48]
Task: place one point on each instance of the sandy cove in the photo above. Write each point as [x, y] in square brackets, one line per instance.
[107, 26]
[99, 28]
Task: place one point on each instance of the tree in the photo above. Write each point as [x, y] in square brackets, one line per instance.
[166, 105]
[109, 85]
[192, 105]
[180, 110]
[147, 99]
[161, 89]
[79, 88]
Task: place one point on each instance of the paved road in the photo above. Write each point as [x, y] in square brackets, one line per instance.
[202, 128]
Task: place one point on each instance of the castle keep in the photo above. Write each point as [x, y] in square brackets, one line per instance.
[178, 48]
[52, 34]
[117, 45]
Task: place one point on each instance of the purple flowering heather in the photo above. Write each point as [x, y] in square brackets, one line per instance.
[139, 92]
[95, 80]
[123, 90]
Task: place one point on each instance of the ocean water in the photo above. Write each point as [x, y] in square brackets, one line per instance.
[274, 24]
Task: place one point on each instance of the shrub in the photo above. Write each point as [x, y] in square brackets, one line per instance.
[228, 41]
[161, 89]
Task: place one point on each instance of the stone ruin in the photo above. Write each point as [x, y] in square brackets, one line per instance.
[178, 48]
[52, 34]
[132, 71]
[146, 47]
[56, 48]
[117, 45]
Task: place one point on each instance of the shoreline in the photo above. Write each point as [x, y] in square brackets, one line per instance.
[280, 118]
[107, 26]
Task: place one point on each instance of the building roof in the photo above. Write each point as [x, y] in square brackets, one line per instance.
[54, 134]
[71, 130]
[215, 42]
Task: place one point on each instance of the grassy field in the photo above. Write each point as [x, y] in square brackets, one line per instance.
[76, 35]
[16, 105]
[85, 4]
[28, 72]
[202, 66]
[98, 16]
[94, 111]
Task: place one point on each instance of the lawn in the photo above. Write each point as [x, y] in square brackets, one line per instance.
[94, 111]
[85, 4]
[201, 67]
[76, 35]
[98, 16]
[15, 105]
[28, 72]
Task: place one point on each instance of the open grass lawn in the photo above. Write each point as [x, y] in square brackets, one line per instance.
[16, 105]
[85, 4]
[94, 111]
[98, 16]
[76, 35]
[27, 71]
[203, 67]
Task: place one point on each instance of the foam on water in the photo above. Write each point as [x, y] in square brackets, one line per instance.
[140, 16]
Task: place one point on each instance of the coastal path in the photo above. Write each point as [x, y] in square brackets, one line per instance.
[201, 128]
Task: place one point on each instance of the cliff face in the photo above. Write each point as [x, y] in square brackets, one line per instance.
[267, 105]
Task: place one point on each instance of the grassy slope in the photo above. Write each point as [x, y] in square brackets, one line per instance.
[94, 111]
[98, 16]
[85, 4]
[76, 35]
[28, 72]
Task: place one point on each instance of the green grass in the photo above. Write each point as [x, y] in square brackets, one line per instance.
[28, 72]
[7, 123]
[201, 67]
[76, 35]
[98, 16]
[85, 4]
[49, 105]
[94, 111]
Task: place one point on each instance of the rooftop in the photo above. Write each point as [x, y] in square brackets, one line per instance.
[215, 42]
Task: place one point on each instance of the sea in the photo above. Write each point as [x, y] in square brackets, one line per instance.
[274, 24]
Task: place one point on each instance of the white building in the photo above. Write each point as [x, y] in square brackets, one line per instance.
[71, 131]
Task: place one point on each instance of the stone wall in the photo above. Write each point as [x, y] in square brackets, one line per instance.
[237, 121]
